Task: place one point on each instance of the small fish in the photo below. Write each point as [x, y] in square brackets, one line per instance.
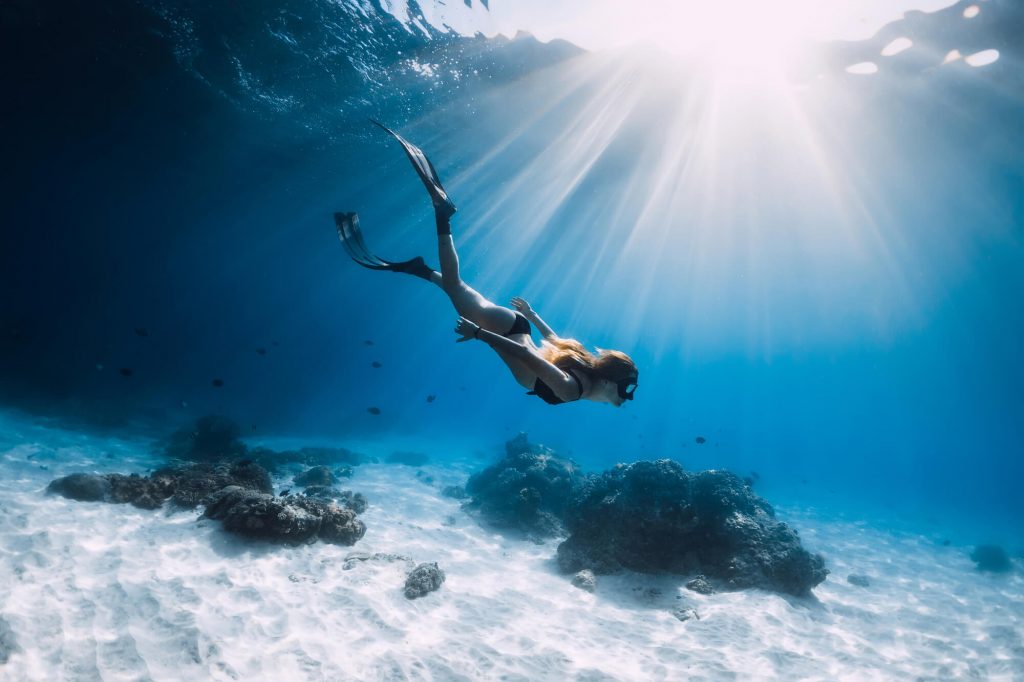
[253, 427]
[373, 410]
[184, 403]
[701, 440]
[275, 343]
[217, 382]
[285, 491]
[376, 365]
[141, 331]
[368, 342]
[99, 366]
[127, 371]
[431, 398]
[261, 351]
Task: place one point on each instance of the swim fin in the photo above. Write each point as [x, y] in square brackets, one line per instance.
[443, 206]
[352, 239]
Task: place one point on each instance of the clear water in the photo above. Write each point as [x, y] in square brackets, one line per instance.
[820, 275]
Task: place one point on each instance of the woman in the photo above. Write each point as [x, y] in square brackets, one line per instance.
[557, 371]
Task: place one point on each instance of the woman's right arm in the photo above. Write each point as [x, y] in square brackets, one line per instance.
[530, 314]
[560, 382]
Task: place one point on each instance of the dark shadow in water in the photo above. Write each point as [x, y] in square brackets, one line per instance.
[667, 592]
[228, 546]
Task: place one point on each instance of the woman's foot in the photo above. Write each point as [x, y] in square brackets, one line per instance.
[352, 239]
[416, 267]
[443, 206]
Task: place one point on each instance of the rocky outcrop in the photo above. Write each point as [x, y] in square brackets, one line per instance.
[991, 558]
[700, 585]
[195, 484]
[654, 516]
[82, 487]
[585, 580]
[188, 485]
[423, 580]
[528, 490]
[346, 498]
[290, 520]
[318, 475]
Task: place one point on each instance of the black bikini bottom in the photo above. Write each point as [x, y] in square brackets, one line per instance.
[520, 326]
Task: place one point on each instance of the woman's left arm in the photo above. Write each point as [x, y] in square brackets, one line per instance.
[469, 330]
[564, 386]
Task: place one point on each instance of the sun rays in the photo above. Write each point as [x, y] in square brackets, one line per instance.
[682, 200]
[727, 202]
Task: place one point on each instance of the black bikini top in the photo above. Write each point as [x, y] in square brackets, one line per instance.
[544, 392]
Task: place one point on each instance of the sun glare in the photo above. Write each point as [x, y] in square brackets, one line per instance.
[746, 40]
[732, 38]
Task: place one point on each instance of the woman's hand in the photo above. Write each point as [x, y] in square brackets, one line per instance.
[468, 330]
[522, 306]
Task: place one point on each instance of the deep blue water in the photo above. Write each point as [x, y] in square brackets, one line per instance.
[835, 305]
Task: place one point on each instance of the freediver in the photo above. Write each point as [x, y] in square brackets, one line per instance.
[558, 370]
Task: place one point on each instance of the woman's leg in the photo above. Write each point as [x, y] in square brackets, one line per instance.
[467, 301]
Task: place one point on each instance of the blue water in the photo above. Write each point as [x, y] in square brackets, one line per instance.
[825, 286]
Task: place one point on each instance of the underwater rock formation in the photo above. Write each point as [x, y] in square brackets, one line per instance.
[318, 475]
[81, 487]
[700, 585]
[585, 580]
[188, 486]
[195, 484]
[291, 520]
[144, 492]
[423, 580]
[685, 613]
[236, 493]
[991, 558]
[654, 516]
[528, 490]
[348, 499]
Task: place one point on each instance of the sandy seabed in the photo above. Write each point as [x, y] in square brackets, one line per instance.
[93, 591]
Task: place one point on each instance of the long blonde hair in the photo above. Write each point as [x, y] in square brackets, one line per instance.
[612, 365]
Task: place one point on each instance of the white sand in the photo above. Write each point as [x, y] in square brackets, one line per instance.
[103, 591]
